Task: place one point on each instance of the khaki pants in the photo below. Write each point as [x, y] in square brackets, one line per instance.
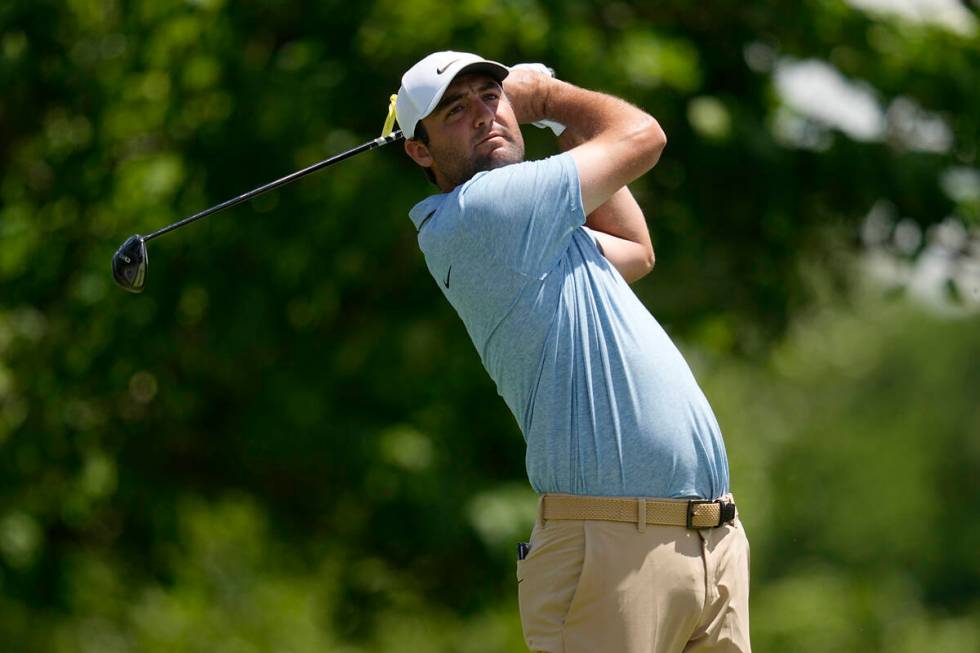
[610, 587]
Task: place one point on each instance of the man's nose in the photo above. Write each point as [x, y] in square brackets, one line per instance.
[484, 113]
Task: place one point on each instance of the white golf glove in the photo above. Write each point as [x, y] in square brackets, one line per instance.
[554, 126]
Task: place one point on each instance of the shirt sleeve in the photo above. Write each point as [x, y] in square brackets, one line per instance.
[524, 214]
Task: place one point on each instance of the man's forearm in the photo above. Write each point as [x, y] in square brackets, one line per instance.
[633, 257]
[622, 217]
[585, 113]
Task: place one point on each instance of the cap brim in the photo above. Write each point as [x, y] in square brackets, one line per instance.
[498, 71]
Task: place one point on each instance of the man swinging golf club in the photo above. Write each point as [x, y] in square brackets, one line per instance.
[637, 546]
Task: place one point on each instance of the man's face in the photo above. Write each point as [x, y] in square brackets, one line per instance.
[473, 128]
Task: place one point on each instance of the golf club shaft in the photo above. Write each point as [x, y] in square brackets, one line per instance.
[370, 145]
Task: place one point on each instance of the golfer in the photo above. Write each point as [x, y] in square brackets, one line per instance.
[637, 546]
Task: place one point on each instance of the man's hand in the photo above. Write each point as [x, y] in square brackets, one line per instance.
[556, 127]
[527, 91]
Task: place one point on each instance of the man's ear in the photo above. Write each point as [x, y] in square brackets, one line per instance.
[419, 152]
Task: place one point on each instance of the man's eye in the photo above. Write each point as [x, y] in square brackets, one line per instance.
[491, 97]
[454, 109]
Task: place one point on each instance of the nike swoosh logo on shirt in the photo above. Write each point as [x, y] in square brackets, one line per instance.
[440, 71]
[447, 276]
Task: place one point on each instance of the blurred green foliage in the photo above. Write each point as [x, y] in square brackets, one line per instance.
[288, 443]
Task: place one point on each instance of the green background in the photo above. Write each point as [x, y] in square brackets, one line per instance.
[288, 443]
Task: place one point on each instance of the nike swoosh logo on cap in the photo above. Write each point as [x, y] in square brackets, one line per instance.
[440, 71]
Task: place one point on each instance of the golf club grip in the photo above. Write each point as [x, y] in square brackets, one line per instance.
[370, 145]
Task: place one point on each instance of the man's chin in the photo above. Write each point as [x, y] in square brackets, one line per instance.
[498, 158]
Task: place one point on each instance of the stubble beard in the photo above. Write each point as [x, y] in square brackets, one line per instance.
[462, 170]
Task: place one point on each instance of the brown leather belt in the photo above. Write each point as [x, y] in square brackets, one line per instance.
[694, 513]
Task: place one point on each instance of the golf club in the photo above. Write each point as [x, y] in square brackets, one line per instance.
[129, 261]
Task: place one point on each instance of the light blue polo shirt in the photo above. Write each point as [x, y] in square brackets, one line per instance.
[605, 401]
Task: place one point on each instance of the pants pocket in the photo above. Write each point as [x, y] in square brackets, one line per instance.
[546, 582]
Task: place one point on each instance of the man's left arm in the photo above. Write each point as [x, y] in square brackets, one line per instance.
[620, 227]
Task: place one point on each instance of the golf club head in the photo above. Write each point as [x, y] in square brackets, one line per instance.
[129, 264]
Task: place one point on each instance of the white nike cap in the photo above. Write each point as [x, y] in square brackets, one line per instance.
[425, 82]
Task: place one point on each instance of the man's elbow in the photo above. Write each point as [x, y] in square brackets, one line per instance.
[653, 140]
[646, 263]
[640, 266]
